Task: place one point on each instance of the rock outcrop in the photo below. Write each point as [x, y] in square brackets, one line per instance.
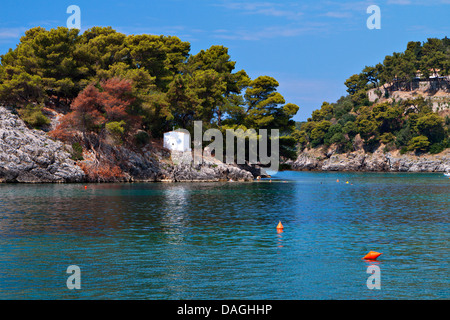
[377, 161]
[156, 165]
[31, 156]
[28, 155]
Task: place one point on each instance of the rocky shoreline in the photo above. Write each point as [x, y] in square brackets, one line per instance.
[31, 156]
[378, 161]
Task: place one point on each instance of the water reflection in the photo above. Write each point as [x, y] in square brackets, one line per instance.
[217, 240]
[174, 213]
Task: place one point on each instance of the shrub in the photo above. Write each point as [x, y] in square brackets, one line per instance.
[403, 150]
[141, 138]
[77, 151]
[33, 116]
[284, 166]
[419, 143]
[404, 136]
[338, 138]
[387, 137]
[437, 148]
[431, 126]
[116, 129]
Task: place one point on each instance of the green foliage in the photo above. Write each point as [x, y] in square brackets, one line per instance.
[324, 113]
[404, 136]
[437, 148]
[141, 138]
[288, 147]
[117, 129]
[427, 57]
[131, 87]
[338, 138]
[334, 135]
[387, 137]
[342, 109]
[350, 128]
[366, 127]
[431, 126]
[19, 88]
[137, 85]
[77, 151]
[319, 132]
[407, 125]
[33, 116]
[284, 166]
[356, 83]
[419, 143]
[403, 150]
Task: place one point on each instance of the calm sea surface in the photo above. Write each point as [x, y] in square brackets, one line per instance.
[219, 240]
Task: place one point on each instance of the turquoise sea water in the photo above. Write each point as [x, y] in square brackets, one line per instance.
[219, 240]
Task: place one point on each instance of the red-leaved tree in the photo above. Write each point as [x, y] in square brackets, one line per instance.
[116, 99]
[87, 110]
[93, 108]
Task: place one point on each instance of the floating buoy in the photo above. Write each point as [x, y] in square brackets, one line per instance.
[337, 180]
[85, 187]
[280, 226]
[347, 182]
[372, 255]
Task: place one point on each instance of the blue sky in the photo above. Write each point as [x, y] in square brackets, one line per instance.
[310, 47]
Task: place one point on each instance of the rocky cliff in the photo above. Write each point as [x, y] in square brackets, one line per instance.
[31, 156]
[376, 161]
[153, 164]
[28, 155]
[439, 99]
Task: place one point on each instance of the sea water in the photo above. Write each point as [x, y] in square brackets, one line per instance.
[219, 240]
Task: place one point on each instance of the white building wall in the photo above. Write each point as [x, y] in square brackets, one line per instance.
[177, 141]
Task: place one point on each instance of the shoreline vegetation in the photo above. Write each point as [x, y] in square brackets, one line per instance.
[108, 98]
[93, 107]
[396, 116]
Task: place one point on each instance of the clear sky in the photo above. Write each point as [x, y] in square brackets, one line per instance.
[310, 47]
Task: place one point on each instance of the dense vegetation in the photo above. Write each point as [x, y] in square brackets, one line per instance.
[408, 125]
[132, 88]
[127, 89]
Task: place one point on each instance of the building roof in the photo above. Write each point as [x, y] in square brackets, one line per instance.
[177, 131]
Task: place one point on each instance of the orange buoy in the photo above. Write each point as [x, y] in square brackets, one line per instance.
[372, 255]
[85, 187]
[280, 226]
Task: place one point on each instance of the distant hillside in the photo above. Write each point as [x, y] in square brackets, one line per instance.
[439, 100]
[401, 104]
